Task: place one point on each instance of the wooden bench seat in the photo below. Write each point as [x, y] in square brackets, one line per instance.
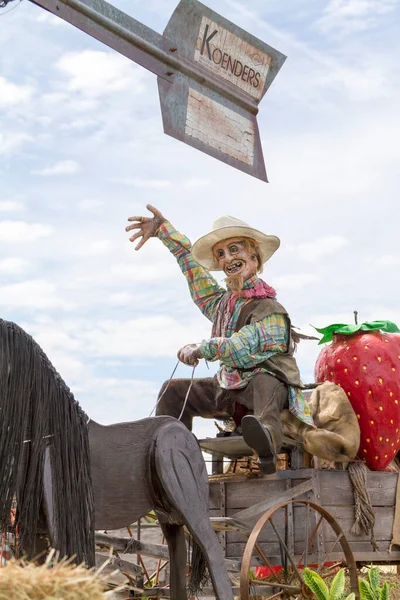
[234, 447]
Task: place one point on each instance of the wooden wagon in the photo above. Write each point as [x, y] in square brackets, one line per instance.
[298, 516]
[270, 527]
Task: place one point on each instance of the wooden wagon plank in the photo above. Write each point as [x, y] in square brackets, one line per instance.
[377, 558]
[130, 545]
[361, 550]
[272, 500]
[383, 522]
[115, 563]
[336, 488]
[245, 493]
[344, 515]
[229, 524]
[267, 534]
[272, 551]
[235, 551]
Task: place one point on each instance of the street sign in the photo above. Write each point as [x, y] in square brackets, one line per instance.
[211, 73]
[221, 122]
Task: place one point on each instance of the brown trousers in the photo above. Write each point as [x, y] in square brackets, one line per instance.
[264, 396]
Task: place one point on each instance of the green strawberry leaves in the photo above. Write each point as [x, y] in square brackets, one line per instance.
[343, 329]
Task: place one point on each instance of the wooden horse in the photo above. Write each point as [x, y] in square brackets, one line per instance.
[71, 475]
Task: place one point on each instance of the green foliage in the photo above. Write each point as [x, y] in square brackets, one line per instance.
[318, 586]
[366, 592]
[385, 593]
[370, 590]
[337, 586]
[373, 577]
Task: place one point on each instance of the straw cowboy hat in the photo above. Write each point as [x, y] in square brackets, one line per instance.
[228, 227]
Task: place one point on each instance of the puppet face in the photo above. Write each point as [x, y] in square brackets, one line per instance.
[236, 259]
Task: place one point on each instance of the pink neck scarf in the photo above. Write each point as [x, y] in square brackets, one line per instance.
[228, 300]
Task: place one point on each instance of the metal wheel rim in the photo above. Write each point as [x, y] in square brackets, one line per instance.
[252, 542]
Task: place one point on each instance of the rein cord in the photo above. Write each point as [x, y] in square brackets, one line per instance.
[167, 386]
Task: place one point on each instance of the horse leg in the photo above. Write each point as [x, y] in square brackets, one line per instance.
[175, 538]
[183, 480]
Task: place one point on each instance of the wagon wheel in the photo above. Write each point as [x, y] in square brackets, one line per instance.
[287, 538]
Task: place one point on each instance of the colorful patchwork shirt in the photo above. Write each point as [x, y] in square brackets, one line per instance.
[250, 346]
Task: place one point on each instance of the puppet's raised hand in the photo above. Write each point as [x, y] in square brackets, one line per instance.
[147, 226]
[190, 354]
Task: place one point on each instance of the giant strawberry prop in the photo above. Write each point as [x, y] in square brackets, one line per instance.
[365, 361]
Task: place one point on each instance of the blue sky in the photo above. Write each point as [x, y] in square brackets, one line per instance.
[82, 148]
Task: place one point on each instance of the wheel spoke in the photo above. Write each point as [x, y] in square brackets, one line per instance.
[304, 556]
[331, 549]
[265, 559]
[305, 553]
[286, 548]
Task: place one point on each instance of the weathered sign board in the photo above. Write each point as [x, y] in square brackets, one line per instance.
[220, 124]
[211, 73]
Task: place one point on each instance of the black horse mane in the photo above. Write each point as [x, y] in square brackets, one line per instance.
[38, 411]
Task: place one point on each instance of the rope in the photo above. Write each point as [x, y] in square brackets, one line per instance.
[167, 386]
[364, 520]
[187, 394]
[165, 389]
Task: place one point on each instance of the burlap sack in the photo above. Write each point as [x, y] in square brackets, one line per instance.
[337, 434]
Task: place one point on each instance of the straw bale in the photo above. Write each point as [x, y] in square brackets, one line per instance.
[54, 580]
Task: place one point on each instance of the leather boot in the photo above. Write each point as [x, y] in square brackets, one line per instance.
[259, 438]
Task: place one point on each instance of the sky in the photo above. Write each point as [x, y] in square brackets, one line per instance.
[82, 148]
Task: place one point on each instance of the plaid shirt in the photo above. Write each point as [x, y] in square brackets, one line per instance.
[252, 345]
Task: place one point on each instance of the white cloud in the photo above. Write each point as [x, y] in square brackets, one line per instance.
[99, 247]
[97, 74]
[79, 125]
[154, 336]
[11, 206]
[386, 261]
[365, 83]
[195, 182]
[148, 336]
[90, 204]
[33, 294]
[63, 167]
[354, 15]
[12, 94]
[46, 17]
[13, 265]
[151, 184]
[22, 231]
[130, 398]
[313, 251]
[294, 281]
[121, 299]
[10, 143]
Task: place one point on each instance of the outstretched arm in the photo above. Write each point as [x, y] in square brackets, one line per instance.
[205, 291]
[147, 226]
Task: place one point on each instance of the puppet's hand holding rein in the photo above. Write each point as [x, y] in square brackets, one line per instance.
[190, 354]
